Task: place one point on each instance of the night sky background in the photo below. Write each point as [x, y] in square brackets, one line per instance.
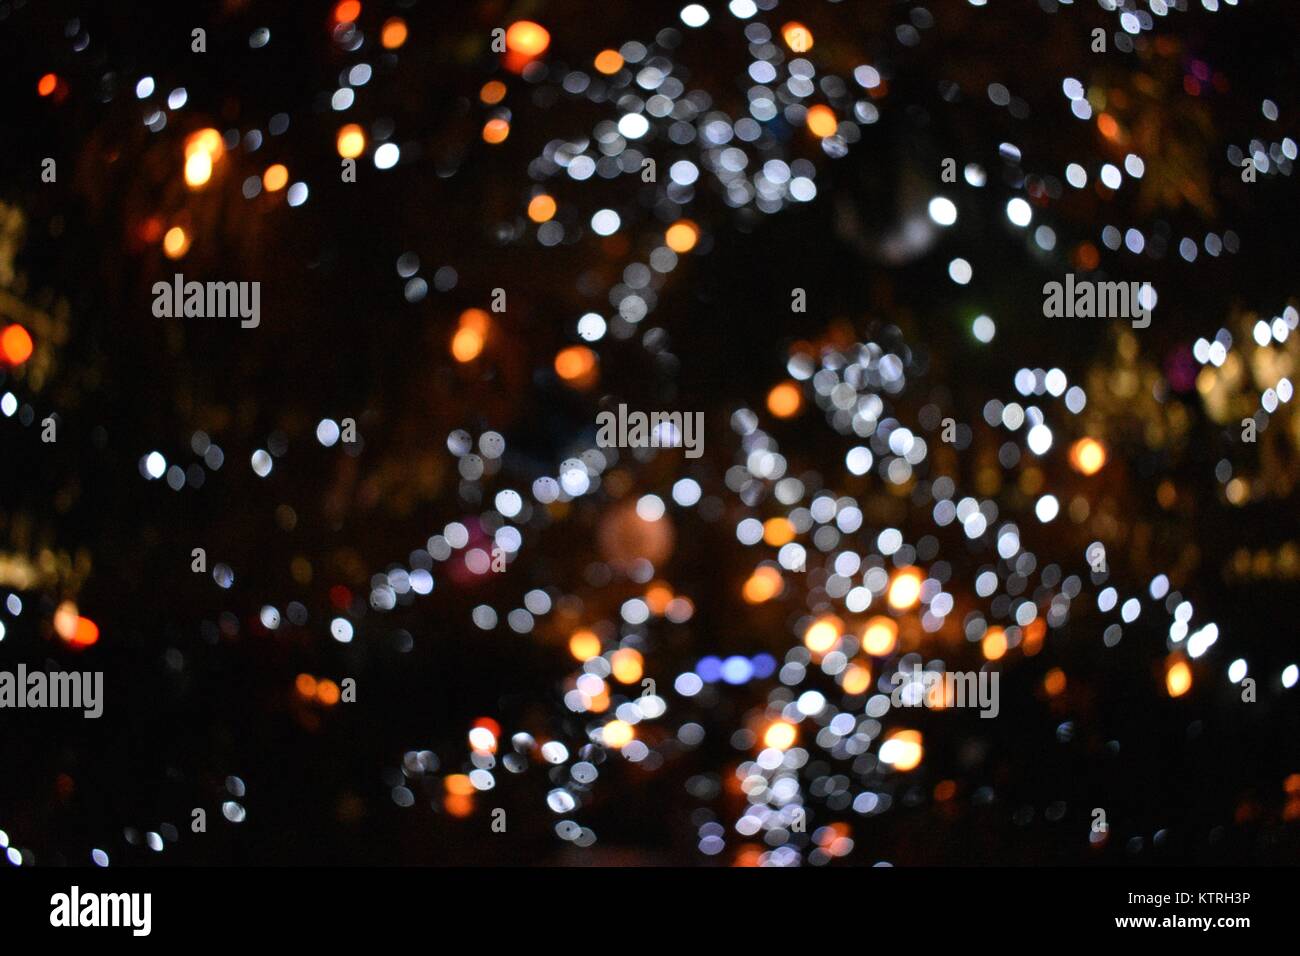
[199, 690]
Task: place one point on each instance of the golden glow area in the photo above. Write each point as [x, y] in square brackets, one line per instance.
[626, 665]
[903, 750]
[351, 141]
[778, 531]
[584, 644]
[175, 243]
[880, 636]
[617, 734]
[780, 735]
[905, 590]
[823, 634]
[797, 37]
[1178, 678]
[471, 335]
[682, 236]
[1087, 456]
[994, 644]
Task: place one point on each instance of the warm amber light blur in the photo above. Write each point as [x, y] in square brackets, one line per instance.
[275, 178]
[466, 345]
[781, 735]
[305, 685]
[784, 400]
[797, 37]
[617, 734]
[905, 590]
[763, 585]
[198, 169]
[823, 634]
[682, 236]
[625, 664]
[541, 208]
[584, 645]
[351, 141]
[203, 149]
[994, 644]
[15, 345]
[1087, 456]
[492, 93]
[85, 633]
[856, 679]
[347, 11]
[778, 531]
[903, 750]
[47, 84]
[528, 38]
[608, 62]
[1178, 679]
[576, 365]
[495, 131]
[1054, 682]
[175, 243]
[821, 121]
[393, 34]
[879, 636]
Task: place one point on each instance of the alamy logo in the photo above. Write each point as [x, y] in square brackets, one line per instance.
[941, 689]
[654, 430]
[209, 300]
[58, 690]
[1085, 299]
[75, 909]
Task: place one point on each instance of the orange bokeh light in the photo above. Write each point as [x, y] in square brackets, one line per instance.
[780, 735]
[393, 34]
[584, 644]
[16, 345]
[576, 365]
[682, 236]
[1087, 456]
[47, 84]
[527, 38]
[275, 178]
[821, 121]
[176, 242]
[351, 141]
[495, 131]
[784, 400]
[347, 11]
[763, 585]
[797, 37]
[879, 636]
[541, 208]
[608, 62]
[492, 92]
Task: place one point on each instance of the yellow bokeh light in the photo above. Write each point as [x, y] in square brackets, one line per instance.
[682, 236]
[626, 666]
[275, 178]
[175, 243]
[541, 208]
[584, 644]
[903, 750]
[994, 643]
[780, 735]
[351, 141]
[880, 636]
[617, 734]
[821, 121]
[905, 590]
[823, 634]
[1178, 679]
[797, 37]
[198, 169]
[1087, 456]
[856, 679]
